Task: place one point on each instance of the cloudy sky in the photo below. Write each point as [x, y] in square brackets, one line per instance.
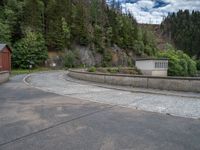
[153, 11]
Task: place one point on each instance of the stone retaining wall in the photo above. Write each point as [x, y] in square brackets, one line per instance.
[4, 76]
[188, 84]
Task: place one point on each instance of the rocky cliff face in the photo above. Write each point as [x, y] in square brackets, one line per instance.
[119, 57]
[86, 57]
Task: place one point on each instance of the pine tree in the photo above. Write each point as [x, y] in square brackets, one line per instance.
[34, 15]
[183, 29]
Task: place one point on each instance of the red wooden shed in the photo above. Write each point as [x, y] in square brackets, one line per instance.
[5, 57]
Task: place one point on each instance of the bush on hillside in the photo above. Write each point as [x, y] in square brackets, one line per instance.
[69, 59]
[113, 70]
[180, 64]
[198, 64]
[92, 69]
[30, 50]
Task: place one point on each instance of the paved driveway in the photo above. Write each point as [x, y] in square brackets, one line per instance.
[31, 119]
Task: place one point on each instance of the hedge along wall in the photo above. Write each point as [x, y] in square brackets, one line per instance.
[188, 84]
[4, 76]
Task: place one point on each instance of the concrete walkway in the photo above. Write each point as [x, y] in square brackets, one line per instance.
[32, 119]
[172, 103]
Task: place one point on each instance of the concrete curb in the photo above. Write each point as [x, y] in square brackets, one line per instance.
[4, 76]
[187, 84]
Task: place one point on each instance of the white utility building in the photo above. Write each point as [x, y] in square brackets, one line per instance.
[152, 67]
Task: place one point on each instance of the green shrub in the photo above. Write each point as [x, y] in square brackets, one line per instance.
[69, 59]
[139, 72]
[30, 50]
[107, 57]
[149, 50]
[113, 70]
[139, 47]
[130, 62]
[180, 64]
[198, 64]
[92, 69]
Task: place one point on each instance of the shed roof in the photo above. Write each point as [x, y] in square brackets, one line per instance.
[2, 46]
[143, 59]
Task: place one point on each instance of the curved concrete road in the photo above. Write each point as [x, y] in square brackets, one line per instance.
[32, 119]
[61, 84]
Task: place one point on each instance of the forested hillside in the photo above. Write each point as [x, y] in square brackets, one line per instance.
[183, 28]
[91, 33]
[60, 25]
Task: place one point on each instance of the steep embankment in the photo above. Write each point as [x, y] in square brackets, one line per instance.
[87, 32]
[160, 38]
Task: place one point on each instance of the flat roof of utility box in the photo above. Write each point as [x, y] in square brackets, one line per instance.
[143, 59]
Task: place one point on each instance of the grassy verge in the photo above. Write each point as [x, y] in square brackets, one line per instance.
[27, 71]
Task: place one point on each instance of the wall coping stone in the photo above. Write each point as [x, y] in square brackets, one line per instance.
[136, 76]
[2, 72]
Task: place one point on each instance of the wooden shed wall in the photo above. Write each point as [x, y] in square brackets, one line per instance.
[5, 60]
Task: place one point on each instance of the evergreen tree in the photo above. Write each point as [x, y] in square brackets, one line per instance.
[5, 36]
[65, 23]
[183, 29]
[56, 18]
[30, 50]
[80, 24]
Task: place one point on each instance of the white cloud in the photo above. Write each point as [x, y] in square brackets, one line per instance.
[146, 12]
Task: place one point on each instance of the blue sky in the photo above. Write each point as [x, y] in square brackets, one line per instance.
[153, 11]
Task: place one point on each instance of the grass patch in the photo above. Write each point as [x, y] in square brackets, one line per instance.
[92, 69]
[27, 71]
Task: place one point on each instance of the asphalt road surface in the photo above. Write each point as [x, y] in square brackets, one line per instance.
[56, 113]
